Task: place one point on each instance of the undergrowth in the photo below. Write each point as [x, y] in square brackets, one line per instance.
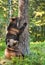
[36, 57]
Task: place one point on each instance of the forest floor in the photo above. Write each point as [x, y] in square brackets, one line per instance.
[36, 57]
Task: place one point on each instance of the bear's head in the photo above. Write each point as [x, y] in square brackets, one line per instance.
[12, 37]
[14, 20]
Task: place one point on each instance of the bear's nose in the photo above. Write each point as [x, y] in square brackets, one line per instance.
[9, 46]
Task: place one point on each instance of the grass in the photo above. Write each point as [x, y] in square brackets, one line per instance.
[38, 52]
[2, 47]
[36, 57]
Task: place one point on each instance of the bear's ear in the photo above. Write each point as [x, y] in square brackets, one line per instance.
[10, 20]
[13, 19]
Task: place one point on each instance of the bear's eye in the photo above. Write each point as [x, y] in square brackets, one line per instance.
[8, 40]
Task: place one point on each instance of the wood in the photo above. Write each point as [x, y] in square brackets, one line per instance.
[23, 15]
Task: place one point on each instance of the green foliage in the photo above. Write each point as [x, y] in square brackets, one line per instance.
[37, 20]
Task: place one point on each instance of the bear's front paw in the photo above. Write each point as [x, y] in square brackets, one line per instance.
[25, 24]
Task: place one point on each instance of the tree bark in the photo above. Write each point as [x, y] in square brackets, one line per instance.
[24, 38]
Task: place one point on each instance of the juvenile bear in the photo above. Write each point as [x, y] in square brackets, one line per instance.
[12, 37]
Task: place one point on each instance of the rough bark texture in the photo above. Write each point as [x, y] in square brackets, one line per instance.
[23, 14]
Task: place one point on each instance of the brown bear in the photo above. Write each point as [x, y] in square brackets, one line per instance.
[12, 38]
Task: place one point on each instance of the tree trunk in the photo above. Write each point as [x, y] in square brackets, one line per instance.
[23, 15]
